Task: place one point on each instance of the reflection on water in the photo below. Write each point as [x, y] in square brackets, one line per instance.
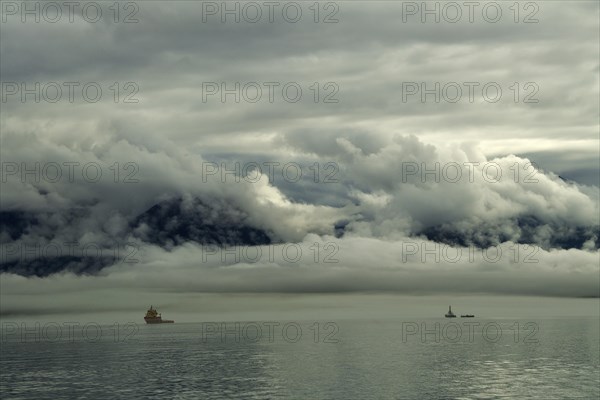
[370, 360]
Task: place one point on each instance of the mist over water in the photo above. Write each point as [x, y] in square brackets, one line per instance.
[122, 306]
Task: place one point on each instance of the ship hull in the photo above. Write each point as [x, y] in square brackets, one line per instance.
[158, 321]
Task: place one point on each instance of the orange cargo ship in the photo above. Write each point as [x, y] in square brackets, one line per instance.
[153, 317]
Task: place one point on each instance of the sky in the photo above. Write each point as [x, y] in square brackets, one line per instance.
[175, 149]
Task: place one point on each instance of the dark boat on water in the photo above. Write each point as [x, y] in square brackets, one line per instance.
[153, 317]
[467, 316]
[450, 314]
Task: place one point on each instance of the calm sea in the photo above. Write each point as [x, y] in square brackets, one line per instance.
[350, 359]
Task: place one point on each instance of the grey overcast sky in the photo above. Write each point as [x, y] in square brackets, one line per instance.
[470, 135]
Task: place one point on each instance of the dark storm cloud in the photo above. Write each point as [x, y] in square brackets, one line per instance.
[368, 53]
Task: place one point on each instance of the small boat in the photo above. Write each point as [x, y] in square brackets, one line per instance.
[450, 314]
[153, 317]
[467, 316]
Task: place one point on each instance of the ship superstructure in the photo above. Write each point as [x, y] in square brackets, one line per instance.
[450, 314]
[153, 317]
